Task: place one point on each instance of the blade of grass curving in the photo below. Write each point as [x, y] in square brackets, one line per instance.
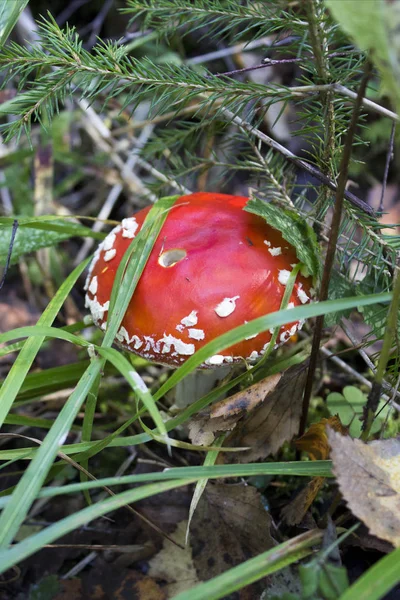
[10, 557]
[138, 386]
[87, 427]
[377, 581]
[26, 490]
[260, 324]
[129, 271]
[255, 326]
[112, 355]
[187, 446]
[23, 362]
[28, 487]
[276, 319]
[254, 569]
[321, 468]
[111, 439]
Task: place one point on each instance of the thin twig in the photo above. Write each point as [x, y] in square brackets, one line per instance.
[333, 237]
[389, 157]
[301, 164]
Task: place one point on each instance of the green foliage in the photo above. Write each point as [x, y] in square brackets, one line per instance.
[223, 18]
[350, 405]
[33, 234]
[294, 229]
[375, 29]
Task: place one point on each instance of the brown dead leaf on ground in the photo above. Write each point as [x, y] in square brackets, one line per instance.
[315, 439]
[369, 480]
[223, 416]
[203, 430]
[174, 565]
[315, 443]
[229, 526]
[272, 423]
[247, 399]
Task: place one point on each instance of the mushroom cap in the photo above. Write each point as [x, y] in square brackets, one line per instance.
[213, 267]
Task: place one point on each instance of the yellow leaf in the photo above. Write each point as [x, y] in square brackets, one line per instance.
[315, 440]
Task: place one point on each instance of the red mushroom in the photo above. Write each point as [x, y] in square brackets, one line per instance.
[213, 267]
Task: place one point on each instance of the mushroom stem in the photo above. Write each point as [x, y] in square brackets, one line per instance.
[199, 383]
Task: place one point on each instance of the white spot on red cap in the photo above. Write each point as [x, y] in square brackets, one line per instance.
[129, 227]
[109, 241]
[180, 347]
[283, 276]
[196, 334]
[93, 286]
[301, 294]
[109, 255]
[226, 307]
[190, 320]
[275, 251]
[216, 360]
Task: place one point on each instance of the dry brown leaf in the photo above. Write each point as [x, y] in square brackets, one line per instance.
[369, 480]
[203, 430]
[229, 526]
[315, 442]
[174, 565]
[223, 416]
[272, 423]
[245, 400]
[294, 512]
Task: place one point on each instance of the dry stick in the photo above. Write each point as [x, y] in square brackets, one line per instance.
[301, 164]
[390, 335]
[333, 237]
[389, 157]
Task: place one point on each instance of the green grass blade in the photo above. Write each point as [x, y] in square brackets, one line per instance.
[137, 384]
[209, 461]
[254, 569]
[30, 545]
[129, 271]
[317, 468]
[23, 363]
[272, 320]
[28, 487]
[9, 14]
[377, 581]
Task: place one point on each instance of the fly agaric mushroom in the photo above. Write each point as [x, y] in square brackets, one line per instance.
[212, 268]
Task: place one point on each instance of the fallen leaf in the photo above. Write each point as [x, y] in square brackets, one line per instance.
[120, 584]
[369, 480]
[247, 399]
[224, 415]
[174, 565]
[315, 443]
[294, 512]
[203, 430]
[229, 526]
[272, 423]
[315, 440]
